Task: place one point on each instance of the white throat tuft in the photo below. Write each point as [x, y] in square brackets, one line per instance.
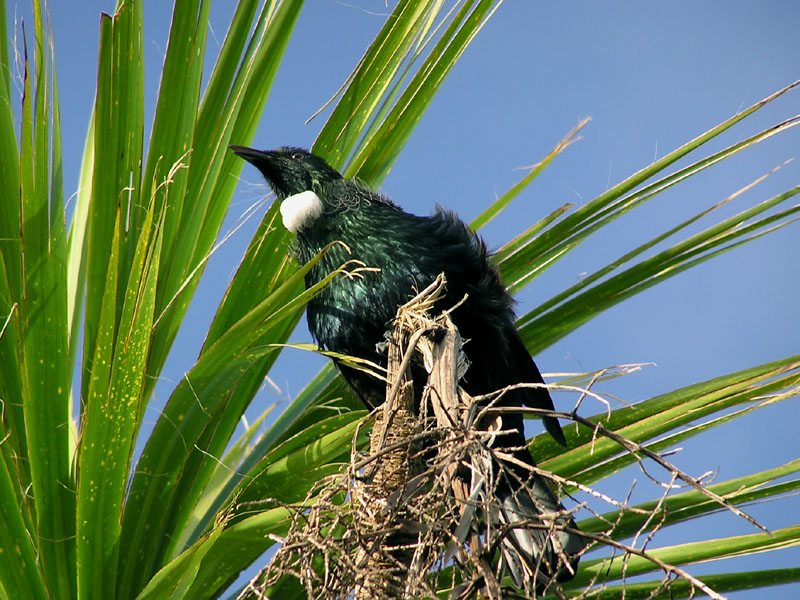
[301, 210]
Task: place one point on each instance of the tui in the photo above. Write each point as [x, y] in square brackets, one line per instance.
[351, 315]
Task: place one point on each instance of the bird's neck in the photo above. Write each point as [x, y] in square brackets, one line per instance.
[352, 215]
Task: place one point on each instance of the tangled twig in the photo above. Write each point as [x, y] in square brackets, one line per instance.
[412, 517]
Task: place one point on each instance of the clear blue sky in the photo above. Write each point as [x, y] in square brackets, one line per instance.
[652, 75]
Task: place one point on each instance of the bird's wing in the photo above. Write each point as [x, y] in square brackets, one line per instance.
[538, 397]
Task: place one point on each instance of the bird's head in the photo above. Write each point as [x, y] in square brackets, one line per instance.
[288, 170]
[298, 179]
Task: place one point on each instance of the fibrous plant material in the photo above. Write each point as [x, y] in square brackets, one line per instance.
[414, 510]
[419, 513]
[382, 568]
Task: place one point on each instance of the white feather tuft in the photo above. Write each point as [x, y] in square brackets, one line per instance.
[301, 210]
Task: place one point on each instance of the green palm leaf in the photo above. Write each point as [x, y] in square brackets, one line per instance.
[85, 512]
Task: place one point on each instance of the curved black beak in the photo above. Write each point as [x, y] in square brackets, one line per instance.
[266, 162]
[251, 155]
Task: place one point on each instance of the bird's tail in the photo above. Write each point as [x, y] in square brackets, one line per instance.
[535, 548]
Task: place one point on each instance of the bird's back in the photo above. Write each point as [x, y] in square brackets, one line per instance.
[408, 252]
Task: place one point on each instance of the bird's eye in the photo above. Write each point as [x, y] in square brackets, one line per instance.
[297, 156]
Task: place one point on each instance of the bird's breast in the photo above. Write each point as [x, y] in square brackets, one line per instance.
[354, 310]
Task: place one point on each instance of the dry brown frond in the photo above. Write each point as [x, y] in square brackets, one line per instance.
[418, 513]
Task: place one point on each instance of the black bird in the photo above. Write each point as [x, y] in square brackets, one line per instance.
[351, 316]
